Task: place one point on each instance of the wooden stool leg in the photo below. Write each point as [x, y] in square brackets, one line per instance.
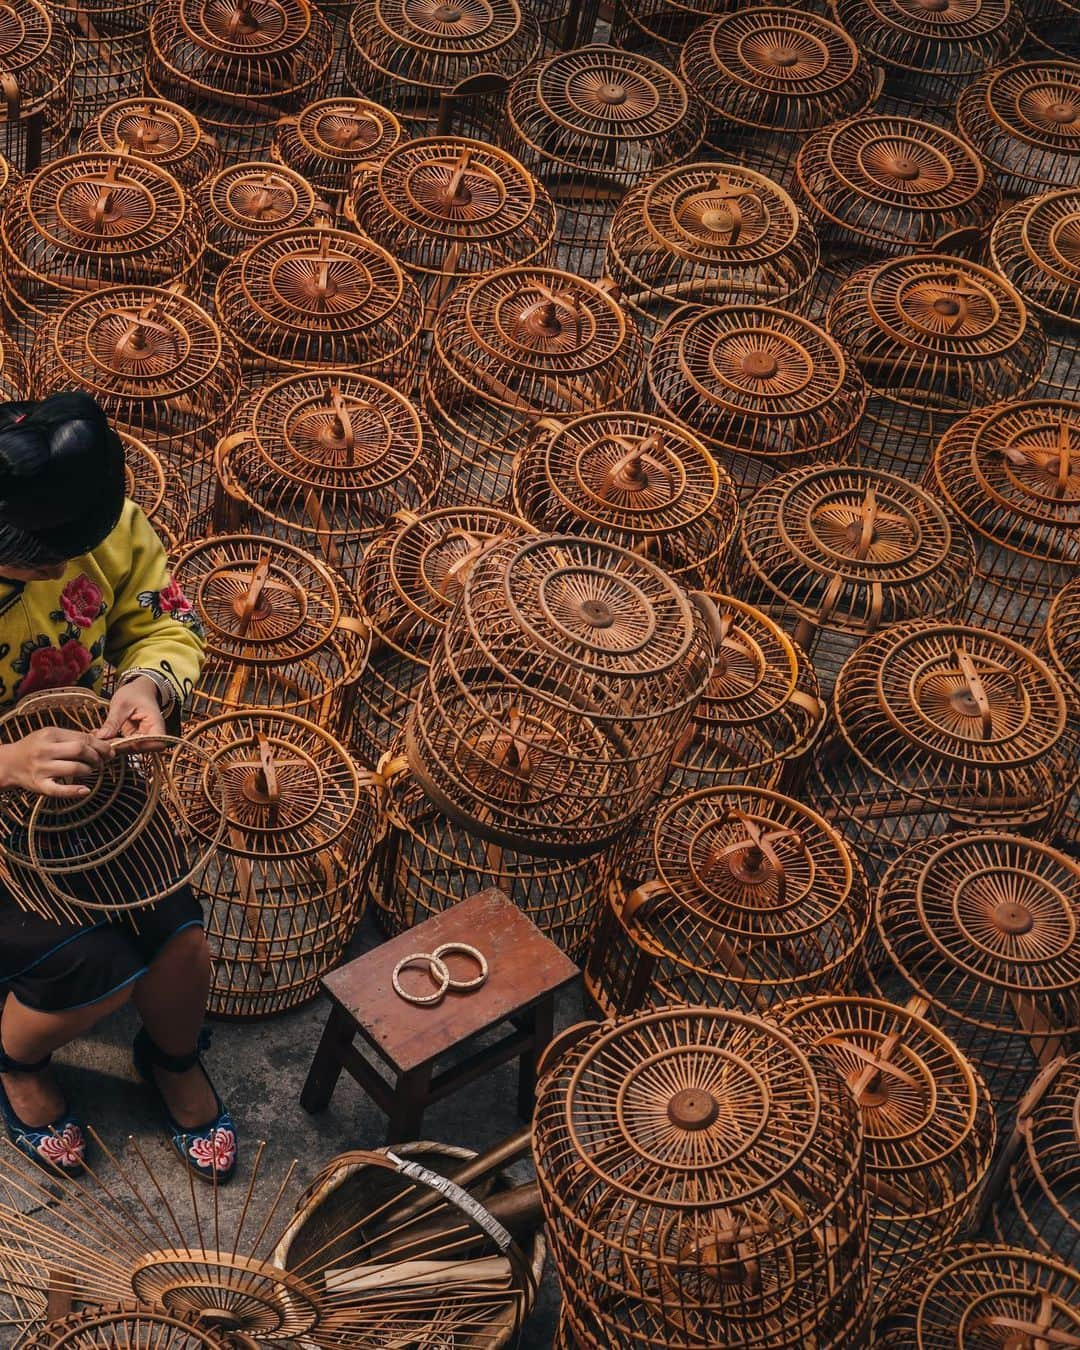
[326, 1066]
[410, 1099]
[542, 1024]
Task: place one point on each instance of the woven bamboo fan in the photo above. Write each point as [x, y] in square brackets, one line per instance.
[440, 65]
[835, 554]
[238, 65]
[765, 390]
[729, 898]
[983, 928]
[635, 481]
[328, 141]
[1025, 123]
[320, 299]
[154, 129]
[410, 578]
[127, 844]
[940, 727]
[553, 705]
[701, 1175]
[709, 234]
[109, 37]
[283, 896]
[158, 365]
[325, 461]
[157, 487]
[37, 58]
[1055, 25]
[87, 222]
[246, 202]
[280, 630]
[511, 347]
[934, 337]
[1012, 474]
[769, 77]
[448, 208]
[123, 1329]
[928, 1122]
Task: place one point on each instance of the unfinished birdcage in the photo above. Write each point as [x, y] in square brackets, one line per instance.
[158, 489]
[14, 372]
[328, 141]
[238, 65]
[109, 37]
[934, 337]
[1011, 473]
[836, 553]
[448, 208]
[440, 65]
[283, 896]
[246, 202]
[765, 390]
[131, 1328]
[510, 347]
[87, 222]
[553, 704]
[325, 461]
[769, 77]
[632, 480]
[1055, 25]
[410, 578]
[939, 727]
[1025, 123]
[709, 234]
[37, 58]
[701, 1173]
[928, 1122]
[281, 630]
[731, 897]
[983, 928]
[320, 299]
[160, 368]
[589, 123]
[1036, 246]
[154, 129]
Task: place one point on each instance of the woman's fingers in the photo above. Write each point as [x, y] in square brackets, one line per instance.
[49, 787]
[66, 768]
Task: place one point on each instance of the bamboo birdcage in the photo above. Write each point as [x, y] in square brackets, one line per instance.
[701, 1173]
[1024, 121]
[730, 897]
[320, 299]
[939, 727]
[238, 65]
[14, 373]
[284, 895]
[123, 1328]
[154, 129]
[632, 480]
[765, 390]
[557, 695]
[928, 1122]
[440, 65]
[934, 337]
[281, 630]
[246, 202]
[1059, 645]
[1055, 25]
[509, 348]
[709, 234]
[566, 25]
[158, 489]
[658, 28]
[837, 553]
[109, 37]
[160, 368]
[769, 77]
[326, 461]
[37, 59]
[88, 222]
[1011, 473]
[448, 208]
[410, 578]
[588, 124]
[982, 927]
[328, 141]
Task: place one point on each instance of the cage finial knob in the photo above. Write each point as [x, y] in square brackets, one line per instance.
[693, 1109]
[242, 20]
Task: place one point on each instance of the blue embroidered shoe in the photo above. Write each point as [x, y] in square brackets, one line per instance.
[59, 1147]
[209, 1151]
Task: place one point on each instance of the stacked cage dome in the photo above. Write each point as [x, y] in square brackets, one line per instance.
[156, 130]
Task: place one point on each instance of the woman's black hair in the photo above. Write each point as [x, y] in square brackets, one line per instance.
[61, 480]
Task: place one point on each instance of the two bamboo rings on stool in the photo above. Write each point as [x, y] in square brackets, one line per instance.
[440, 973]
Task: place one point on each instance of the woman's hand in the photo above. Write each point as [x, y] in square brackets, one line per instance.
[134, 710]
[42, 761]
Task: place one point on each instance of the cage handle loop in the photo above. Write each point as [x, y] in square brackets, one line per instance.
[1010, 1150]
[758, 844]
[476, 547]
[268, 775]
[9, 87]
[341, 412]
[453, 186]
[628, 473]
[719, 625]
[106, 196]
[641, 895]
[1040, 1332]
[245, 607]
[976, 687]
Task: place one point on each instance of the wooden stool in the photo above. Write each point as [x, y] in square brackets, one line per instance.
[525, 972]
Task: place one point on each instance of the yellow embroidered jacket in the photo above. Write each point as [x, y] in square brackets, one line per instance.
[115, 605]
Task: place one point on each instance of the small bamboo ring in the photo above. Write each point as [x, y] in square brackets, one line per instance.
[436, 969]
[463, 986]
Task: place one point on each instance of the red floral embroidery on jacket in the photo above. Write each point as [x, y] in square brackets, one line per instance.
[49, 667]
[80, 602]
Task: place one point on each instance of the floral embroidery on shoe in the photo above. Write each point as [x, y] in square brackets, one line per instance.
[172, 601]
[80, 602]
[216, 1150]
[67, 1148]
[43, 666]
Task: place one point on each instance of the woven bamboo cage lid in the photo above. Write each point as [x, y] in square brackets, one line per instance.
[1063, 639]
[855, 549]
[328, 139]
[35, 52]
[155, 129]
[124, 1329]
[956, 38]
[1036, 245]
[1026, 118]
[245, 202]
